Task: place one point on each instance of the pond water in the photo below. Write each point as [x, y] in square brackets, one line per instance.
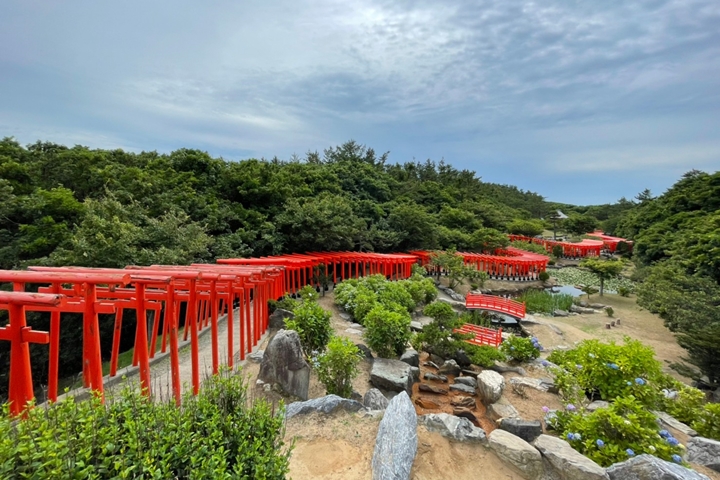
[569, 289]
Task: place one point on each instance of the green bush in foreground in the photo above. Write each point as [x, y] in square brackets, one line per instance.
[338, 366]
[483, 355]
[609, 435]
[214, 435]
[387, 332]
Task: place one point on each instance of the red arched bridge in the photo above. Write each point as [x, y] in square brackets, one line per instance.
[484, 335]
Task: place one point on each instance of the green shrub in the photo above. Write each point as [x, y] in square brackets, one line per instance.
[395, 292]
[421, 289]
[438, 337]
[308, 293]
[217, 434]
[365, 300]
[544, 276]
[387, 332]
[609, 311]
[483, 355]
[623, 291]
[520, 349]
[612, 370]
[285, 303]
[338, 366]
[687, 405]
[610, 435]
[312, 324]
[557, 251]
[708, 423]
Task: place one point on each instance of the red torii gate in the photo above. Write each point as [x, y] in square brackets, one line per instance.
[510, 263]
[610, 242]
[585, 248]
[20, 335]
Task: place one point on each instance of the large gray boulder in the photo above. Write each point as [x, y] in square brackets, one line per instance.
[392, 375]
[528, 430]
[411, 357]
[278, 317]
[451, 426]
[326, 404]
[704, 451]
[490, 386]
[450, 367]
[283, 363]
[567, 463]
[396, 441]
[649, 467]
[517, 452]
[670, 421]
[501, 409]
[540, 384]
[375, 400]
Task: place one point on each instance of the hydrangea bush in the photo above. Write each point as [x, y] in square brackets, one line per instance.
[609, 435]
[521, 349]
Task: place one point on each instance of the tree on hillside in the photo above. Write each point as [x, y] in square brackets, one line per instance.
[580, 224]
[604, 269]
[529, 228]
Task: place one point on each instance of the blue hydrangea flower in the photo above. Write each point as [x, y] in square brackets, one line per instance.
[677, 458]
[614, 366]
[640, 381]
[630, 452]
[599, 443]
[578, 366]
[629, 383]
[571, 436]
[664, 434]
[672, 441]
[545, 363]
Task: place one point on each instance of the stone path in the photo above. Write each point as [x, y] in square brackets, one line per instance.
[160, 366]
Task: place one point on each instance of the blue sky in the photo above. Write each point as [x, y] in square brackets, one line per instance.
[583, 102]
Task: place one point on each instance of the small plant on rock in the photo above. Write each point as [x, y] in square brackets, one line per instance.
[521, 349]
[338, 366]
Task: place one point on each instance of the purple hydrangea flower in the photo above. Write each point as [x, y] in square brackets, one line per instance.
[544, 363]
[640, 381]
[545, 409]
[672, 441]
[570, 407]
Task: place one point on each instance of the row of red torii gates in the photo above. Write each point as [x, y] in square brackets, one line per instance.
[207, 291]
[587, 247]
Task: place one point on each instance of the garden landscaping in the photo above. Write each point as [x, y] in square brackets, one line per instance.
[351, 436]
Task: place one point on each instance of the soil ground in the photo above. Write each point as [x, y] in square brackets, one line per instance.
[340, 446]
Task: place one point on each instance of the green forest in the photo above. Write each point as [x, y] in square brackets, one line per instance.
[64, 205]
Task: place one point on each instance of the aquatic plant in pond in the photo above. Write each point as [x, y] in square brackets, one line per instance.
[541, 301]
[577, 276]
